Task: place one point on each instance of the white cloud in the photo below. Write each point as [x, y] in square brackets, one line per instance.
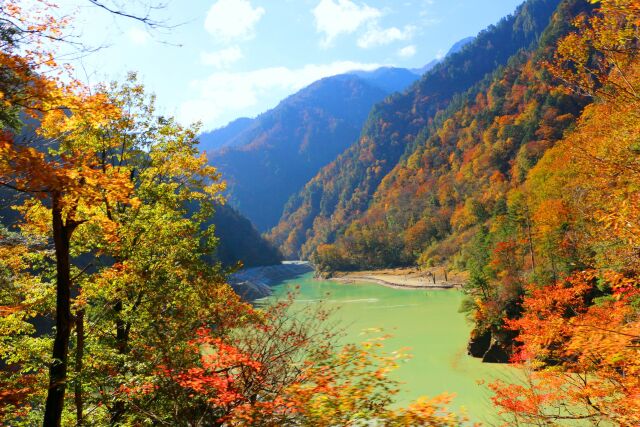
[224, 96]
[407, 51]
[232, 19]
[334, 18]
[138, 36]
[222, 58]
[375, 36]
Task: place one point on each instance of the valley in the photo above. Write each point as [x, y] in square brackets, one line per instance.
[320, 214]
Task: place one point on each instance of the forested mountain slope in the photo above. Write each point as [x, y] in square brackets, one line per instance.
[389, 79]
[459, 173]
[225, 136]
[282, 149]
[239, 241]
[342, 191]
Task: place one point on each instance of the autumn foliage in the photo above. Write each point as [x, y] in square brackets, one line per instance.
[531, 184]
[578, 337]
[113, 310]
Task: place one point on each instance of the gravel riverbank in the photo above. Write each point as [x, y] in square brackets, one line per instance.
[406, 278]
[255, 283]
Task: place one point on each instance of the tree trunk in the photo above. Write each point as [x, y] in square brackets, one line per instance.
[531, 249]
[58, 369]
[78, 367]
[119, 407]
[123, 329]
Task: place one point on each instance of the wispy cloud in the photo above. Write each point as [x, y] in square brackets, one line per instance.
[376, 36]
[334, 18]
[223, 58]
[407, 51]
[232, 20]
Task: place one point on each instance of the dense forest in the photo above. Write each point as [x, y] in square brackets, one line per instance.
[516, 159]
[267, 161]
[342, 190]
[113, 308]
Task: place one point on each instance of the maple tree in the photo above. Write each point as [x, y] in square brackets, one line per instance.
[62, 168]
[62, 175]
[301, 380]
[158, 336]
[578, 335]
[579, 345]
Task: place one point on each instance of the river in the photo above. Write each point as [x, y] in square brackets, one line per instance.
[426, 321]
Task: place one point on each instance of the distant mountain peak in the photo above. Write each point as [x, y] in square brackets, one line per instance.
[267, 159]
[389, 79]
[457, 47]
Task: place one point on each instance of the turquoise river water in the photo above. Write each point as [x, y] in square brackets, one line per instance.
[425, 321]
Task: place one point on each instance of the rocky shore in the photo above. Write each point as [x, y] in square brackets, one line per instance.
[255, 283]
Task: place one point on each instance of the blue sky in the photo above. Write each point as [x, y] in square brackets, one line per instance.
[234, 58]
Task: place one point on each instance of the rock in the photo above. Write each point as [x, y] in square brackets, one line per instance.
[250, 291]
[491, 346]
[479, 343]
[497, 353]
[255, 283]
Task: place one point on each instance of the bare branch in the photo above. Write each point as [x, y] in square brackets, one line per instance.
[146, 19]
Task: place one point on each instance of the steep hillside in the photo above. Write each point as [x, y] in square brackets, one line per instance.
[389, 79]
[282, 149]
[343, 190]
[462, 168]
[239, 241]
[225, 136]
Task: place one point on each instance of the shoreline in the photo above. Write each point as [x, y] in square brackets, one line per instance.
[407, 278]
[255, 283]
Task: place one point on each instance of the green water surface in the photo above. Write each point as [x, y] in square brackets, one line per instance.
[427, 322]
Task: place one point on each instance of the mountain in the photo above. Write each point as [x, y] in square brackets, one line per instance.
[426, 68]
[225, 136]
[268, 159]
[279, 151]
[389, 79]
[457, 47]
[458, 177]
[239, 241]
[343, 190]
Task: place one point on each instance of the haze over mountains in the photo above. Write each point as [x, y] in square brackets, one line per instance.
[268, 159]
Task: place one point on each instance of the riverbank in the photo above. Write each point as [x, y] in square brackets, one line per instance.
[257, 282]
[406, 278]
